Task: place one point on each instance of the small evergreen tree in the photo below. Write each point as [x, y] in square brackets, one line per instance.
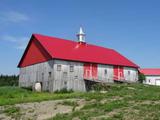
[141, 77]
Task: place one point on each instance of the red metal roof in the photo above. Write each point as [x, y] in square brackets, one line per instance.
[150, 71]
[71, 50]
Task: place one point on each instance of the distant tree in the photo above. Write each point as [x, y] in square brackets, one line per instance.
[9, 80]
[141, 77]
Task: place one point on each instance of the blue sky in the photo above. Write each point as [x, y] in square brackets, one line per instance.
[132, 27]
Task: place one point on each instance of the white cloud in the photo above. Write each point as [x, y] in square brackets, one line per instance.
[13, 16]
[18, 42]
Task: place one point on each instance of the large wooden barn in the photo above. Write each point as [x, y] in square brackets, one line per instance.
[57, 63]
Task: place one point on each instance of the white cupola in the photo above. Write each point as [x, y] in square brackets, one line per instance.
[81, 36]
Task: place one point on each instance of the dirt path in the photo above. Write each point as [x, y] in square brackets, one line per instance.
[39, 110]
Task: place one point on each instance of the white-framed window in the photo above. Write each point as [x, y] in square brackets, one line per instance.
[149, 80]
[59, 67]
[71, 68]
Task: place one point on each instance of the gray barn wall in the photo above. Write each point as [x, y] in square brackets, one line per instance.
[36, 73]
[105, 77]
[59, 79]
[65, 78]
[133, 76]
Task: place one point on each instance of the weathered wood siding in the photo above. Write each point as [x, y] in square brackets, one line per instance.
[36, 73]
[105, 73]
[130, 74]
[66, 78]
[53, 79]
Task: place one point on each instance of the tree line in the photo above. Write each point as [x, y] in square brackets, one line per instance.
[9, 80]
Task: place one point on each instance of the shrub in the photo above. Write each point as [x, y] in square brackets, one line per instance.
[28, 88]
[64, 90]
[141, 77]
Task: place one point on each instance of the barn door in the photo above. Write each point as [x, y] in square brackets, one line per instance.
[87, 71]
[94, 71]
[90, 71]
[121, 73]
[115, 72]
[64, 79]
[118, 73]
[43, 82]
[49, 84]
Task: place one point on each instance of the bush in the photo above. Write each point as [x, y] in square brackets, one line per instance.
[28, 88]
[64, 90]
[141, 77]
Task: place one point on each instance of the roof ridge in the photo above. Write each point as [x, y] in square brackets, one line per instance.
[35, 34]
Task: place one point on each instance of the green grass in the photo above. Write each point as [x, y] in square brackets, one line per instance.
[13, 111]
[121, 101]
[13, 95]
[69, 103]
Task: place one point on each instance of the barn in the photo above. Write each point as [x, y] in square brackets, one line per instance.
[152, 76]
[58, 63]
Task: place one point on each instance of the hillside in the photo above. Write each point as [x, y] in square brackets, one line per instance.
[118, 101]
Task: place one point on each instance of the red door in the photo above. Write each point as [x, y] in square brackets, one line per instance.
[87, 71]
[115, 72]
[118, 73]
[94, 71]
[121, 73]
[90, 71]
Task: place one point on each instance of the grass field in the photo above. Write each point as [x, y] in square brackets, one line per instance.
[121, 101]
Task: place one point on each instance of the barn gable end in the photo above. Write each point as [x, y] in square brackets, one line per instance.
[34, 53]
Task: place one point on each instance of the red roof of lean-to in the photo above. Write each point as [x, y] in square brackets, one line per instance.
[150, 71]
[70, 50]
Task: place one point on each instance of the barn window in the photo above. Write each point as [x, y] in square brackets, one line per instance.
[71, 68]
[58, 67]
[76, 77]
[49, 74]
[149, 80]
[105, 71]
[129, 72]
[65, 82]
